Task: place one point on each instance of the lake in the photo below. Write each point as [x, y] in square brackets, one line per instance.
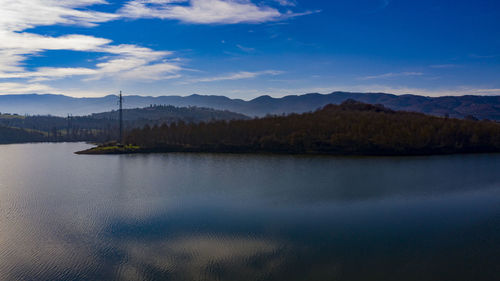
[246, 217]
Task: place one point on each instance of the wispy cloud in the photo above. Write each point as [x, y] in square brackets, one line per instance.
[119, 61]
[444, 66]
[476, 56]
[290, 3]
[17, 16]
[245, 49]
[22, 88]
[385, 3]
[124, 61]
[382, 4]
[206, 11]
[201, 11]
[23, 14]
[236, 76]
[391, 75]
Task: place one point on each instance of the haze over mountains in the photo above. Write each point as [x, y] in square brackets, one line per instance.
[482, 107]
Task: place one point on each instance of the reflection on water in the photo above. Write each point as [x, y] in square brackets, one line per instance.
[243, 217]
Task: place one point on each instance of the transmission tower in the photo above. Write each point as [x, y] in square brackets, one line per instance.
[68, 129]
[121, 118]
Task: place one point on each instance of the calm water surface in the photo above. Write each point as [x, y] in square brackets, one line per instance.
[242, 217]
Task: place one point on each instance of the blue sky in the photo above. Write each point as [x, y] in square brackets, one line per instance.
[243, 48]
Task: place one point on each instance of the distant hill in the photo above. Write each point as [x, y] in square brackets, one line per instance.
[482, 107]
[103, 126]
[169, 113]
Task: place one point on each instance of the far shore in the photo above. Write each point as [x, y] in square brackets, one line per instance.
[132, 149]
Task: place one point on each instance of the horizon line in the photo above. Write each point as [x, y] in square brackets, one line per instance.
[256, 97]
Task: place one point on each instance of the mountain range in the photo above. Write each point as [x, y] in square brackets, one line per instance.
[481, 107]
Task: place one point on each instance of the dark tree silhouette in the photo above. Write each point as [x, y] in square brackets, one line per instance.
[349, 128]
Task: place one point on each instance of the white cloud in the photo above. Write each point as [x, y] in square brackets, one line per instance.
[15, 47]
[291, 3]
[22, 88]
[245, 49]
[476, 56]
[47, 73]
[29, 42]
[442, 66]
[121, 61]
[205, 11]
[139, 71]
[236, 76]
[23, 14]
[136, 63]
[392, 75]
[125, 61]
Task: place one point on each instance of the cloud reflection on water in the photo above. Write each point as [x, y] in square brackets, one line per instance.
[233, 217]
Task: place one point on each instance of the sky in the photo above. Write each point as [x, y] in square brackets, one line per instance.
[247, 48]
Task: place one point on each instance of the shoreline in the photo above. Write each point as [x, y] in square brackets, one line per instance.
[117, 150]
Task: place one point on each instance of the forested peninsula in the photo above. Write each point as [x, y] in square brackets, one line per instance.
[351, 128]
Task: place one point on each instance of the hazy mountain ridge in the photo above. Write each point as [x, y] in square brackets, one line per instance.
[482, 107]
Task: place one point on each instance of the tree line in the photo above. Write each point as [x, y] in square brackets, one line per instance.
[103, 127]
[349, 128]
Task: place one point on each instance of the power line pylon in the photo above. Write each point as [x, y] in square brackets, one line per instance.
[120, 139]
